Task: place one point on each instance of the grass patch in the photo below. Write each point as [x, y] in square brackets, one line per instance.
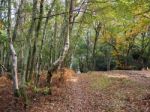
[101, 82]
[119, 94]
[44, 90]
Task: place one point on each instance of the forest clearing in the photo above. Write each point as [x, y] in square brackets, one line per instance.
[74, 56]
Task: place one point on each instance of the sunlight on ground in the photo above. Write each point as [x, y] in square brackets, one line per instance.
[73, 79]
[117, 76]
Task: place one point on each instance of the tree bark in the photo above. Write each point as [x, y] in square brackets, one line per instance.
[58, 63]
[36, 38]
[42, 42]
[28, 63]
[14, 65]
[97, 32]
[12, 49]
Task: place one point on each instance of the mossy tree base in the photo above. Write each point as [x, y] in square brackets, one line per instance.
[17, 93]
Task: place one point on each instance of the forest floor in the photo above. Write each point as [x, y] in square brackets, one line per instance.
[114, 91]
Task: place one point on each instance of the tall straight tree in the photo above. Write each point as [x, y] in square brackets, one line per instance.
[27, 63]
[35, 42]
[11, 42]
[97, 29]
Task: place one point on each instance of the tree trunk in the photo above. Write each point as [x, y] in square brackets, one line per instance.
[12, 49]
[37, 31]
[14, 72]
[28, 63]
[58, 63]
[97, 32]
[43, 38]
[13, 53]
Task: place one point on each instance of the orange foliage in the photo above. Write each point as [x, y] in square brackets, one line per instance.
[61, 76]
[4, 81]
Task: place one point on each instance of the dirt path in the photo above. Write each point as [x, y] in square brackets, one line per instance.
[78, 99]
[73, 98]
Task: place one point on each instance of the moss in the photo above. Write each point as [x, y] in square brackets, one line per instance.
[45, 90]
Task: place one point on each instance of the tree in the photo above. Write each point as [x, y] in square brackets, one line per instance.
[12, 49]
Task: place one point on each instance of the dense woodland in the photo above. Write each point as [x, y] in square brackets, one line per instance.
[84, 35]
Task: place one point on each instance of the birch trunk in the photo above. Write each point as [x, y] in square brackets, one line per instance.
[58, 63]
[14, 71]
[13, 54]
[12, 49]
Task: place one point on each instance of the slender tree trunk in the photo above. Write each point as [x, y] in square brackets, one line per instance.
[54, 39]
[28, 63]
[37, 32]
[37, 74]
[14, 65]
[12, 49]
[108, 62]
[97, 32]
[87, 50]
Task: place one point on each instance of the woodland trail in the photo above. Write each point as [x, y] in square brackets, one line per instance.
[78, 99]
[114, 91]
[73, 98]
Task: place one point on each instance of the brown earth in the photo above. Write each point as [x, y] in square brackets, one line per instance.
[114, 91]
